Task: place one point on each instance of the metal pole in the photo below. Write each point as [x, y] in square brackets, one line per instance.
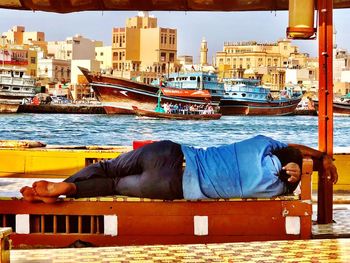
[325, 111]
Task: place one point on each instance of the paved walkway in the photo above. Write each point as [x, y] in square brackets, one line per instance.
[321, 250]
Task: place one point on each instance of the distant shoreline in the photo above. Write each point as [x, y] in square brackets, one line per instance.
[62, 108]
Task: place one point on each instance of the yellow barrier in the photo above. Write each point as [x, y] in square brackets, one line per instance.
[52, 162]
[61, 162]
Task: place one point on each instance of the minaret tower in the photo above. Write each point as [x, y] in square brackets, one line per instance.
[204, 53]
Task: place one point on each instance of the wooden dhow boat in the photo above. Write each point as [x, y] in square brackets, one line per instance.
[118, 95]
[176, 116]
[246, 97]
[341, 106]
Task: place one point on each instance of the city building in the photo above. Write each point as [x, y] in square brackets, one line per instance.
[265, 61]
[341, 68]
[21, 49]
[185, 60]
[77, 51]
[103, 54]
[19, 56]
[54, 70]
[72, 48]
[341, 71]
[18, 36]
[144, 50]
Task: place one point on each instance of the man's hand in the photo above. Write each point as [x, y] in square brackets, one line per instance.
[330, 171]
[294, 172]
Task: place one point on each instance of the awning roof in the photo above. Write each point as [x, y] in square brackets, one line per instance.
[66, 6]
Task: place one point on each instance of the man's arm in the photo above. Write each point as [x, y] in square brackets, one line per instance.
[321, 161]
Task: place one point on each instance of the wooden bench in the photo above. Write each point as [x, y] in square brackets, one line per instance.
[122, 220]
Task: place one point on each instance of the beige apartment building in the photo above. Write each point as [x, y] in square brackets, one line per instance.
[142, 49]
[341, 71]
[77, 47]
[265, 61]
[18, 36]
[103, 54]
[23, 48]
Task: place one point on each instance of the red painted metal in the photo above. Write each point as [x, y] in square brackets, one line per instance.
[147, 221]
[138, 144]
[325, 119]
[186, 93]
[64, 6]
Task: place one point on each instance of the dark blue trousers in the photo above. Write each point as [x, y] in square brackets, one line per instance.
[152, 171]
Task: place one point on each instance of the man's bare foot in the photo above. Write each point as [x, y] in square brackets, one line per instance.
[50, 189]
[29, 195]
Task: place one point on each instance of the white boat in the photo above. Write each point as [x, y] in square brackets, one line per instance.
[14, 87]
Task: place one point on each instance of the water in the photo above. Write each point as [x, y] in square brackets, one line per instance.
[75, 129]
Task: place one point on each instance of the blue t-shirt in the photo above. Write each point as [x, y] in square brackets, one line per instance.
[243, 169]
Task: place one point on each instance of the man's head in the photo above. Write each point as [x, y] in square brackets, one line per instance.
[287, 155]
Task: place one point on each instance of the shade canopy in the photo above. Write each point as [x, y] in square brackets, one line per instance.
[66, 6]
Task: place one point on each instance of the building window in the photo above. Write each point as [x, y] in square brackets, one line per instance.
[101, 54]
[32, 60]
[162, 56]
[161, 39]
[171, 57]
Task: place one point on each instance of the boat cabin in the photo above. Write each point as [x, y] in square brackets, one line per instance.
[14, 84]
[195, 81]
[245, 89]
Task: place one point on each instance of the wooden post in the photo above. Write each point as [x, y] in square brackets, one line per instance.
[325, 110]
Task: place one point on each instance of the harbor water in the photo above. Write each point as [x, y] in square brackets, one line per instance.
[90, 129]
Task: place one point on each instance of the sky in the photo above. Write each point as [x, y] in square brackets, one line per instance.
[192, 27]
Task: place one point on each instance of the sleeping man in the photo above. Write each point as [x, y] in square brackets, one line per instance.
[256, 167]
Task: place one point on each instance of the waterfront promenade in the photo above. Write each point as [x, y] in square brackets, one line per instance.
[321, 250]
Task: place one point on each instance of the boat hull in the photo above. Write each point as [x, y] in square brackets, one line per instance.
[339, 108]
[158, 115]
[235, 107]
[119, 95]
[8, 107]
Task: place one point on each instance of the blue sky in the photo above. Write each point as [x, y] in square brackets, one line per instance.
[216, 27]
